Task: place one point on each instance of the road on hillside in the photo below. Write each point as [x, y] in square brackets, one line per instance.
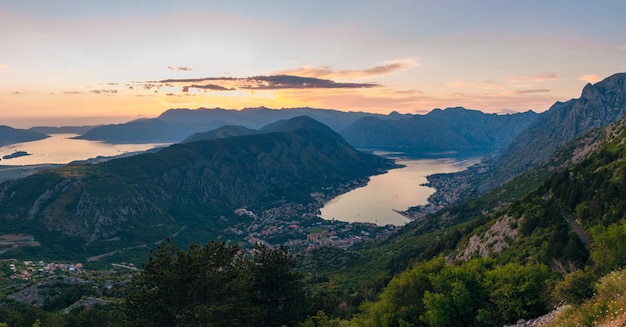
[576, 228]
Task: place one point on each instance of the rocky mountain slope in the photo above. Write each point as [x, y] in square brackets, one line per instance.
[599, 105]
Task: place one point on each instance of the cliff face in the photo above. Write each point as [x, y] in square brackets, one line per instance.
[599, 105]
[147, 197]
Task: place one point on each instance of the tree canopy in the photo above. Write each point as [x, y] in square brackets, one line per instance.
[216, 285]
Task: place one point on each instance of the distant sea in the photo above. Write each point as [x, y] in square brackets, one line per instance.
[62, 149]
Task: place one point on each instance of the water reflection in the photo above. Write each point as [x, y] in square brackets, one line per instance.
[397, 189]
[62, 149]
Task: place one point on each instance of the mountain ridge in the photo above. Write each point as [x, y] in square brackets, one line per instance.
[147, 197]
[10, 135]
[174, 125]
[452, 128]
[599, 105]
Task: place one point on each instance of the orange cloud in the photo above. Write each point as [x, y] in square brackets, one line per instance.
[533, 78]
[529, 91]
[589, 78]
[327, 72]
[4, 67]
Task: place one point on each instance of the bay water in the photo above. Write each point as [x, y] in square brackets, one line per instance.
[397, 189]
[63, 149]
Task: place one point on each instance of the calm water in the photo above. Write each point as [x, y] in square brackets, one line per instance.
[397, 189]
[62, 149]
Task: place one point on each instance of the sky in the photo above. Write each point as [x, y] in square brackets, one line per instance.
[78, 62]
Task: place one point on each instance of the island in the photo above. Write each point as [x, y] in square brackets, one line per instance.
[16, 154]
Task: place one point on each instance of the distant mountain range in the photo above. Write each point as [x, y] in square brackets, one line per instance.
[10, 135]
[61, 129]
[449, 129]
[95, 208]
[175, 125]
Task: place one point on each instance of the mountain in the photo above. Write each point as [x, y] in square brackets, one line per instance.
[192, 187]
[256, 118]
[220, 133]
[449, 129]
[175, 125]
[9, 135]
[150, 130]
[492, 261]
[599, 105]
[62, 129]
[284, 126]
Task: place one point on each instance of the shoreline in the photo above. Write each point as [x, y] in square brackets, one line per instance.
[11, 172]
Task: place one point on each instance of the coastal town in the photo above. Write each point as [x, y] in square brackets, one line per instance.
[449, 188]
[296, 226]
[299, 227]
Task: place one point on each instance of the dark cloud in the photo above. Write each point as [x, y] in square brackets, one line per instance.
[212, 87]
[180, 68]
[275, 82]
[262, 82]
[195, 80]
[103, 91]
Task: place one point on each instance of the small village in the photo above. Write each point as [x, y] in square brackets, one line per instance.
[299, 227]
[29, 270]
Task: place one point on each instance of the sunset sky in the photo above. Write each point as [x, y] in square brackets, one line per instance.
[85, 62]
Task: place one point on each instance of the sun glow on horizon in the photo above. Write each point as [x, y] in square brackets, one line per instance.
[95, 60]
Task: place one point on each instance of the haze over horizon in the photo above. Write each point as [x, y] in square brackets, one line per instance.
[77, 63]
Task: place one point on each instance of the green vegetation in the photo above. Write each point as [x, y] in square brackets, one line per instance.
[606, 307]
[403, 280]
[474, 293]
[420, 276]
[216, 285]
[84, 210]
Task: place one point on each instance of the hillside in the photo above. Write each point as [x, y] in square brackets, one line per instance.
[302, 122]
[220, 133]
[599, 105]
[94, 208]
[9, 135]
[449, 129]
[513, 259]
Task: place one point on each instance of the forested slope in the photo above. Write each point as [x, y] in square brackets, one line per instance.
[489, 262]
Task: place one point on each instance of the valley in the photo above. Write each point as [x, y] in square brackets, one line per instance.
[312, 163]
[547, 235]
